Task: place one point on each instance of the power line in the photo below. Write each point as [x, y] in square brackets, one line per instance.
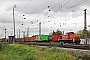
[74, 6]
[25, 6]
[54, 4]
[66, 3]
[34, 11]
[20, 4]
[79, 3]
[51, 2]
[63, 5]
[69, 8]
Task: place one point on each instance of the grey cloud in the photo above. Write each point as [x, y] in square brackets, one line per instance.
[5, 21]
[39, 6]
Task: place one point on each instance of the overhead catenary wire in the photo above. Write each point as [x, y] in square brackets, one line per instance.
[51, 3]
[20, 4]
[25, 6]
[37, 10]
[41, 9]
[63, 5]
[73, 7]
[70, 18]
[69, 8]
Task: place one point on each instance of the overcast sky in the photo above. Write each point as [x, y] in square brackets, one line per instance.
[65, 15]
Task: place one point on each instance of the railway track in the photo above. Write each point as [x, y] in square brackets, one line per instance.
[84, 47]
[74, 46]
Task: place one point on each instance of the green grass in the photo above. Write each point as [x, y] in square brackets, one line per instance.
[24, 52]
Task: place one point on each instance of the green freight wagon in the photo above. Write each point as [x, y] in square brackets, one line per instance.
[44, 37]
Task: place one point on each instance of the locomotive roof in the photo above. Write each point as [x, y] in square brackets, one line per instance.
[70, 32]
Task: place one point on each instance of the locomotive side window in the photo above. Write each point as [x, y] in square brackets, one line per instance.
[60, 37]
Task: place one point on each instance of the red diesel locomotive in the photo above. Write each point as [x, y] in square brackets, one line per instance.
[69, 38]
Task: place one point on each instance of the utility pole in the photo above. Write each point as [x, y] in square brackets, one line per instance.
[5, 33]
[85, 25]
[24, 35]
[11, 33]
[19, 33]
[27, 31]
[14, 22]
[39, 28]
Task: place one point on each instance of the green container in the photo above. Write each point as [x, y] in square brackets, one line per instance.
[44, 37]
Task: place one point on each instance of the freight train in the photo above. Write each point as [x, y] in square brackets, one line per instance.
[70, 37]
